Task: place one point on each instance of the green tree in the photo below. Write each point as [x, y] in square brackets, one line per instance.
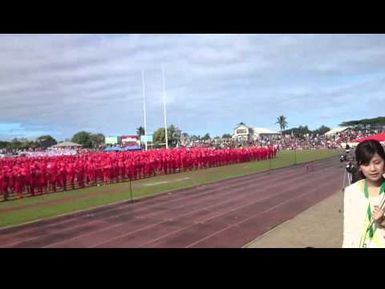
[322, 130]
[33, 144]
[4, 144]
[281, 121]
[366, 121]
[302, 130]
[25, 143]
[15, 144]
[206, 136]
[194, 137]
[83, 138]
[226, 135]
[159, 137]
[173, 136]
[298, 131]
[45, 141]
[97, 139]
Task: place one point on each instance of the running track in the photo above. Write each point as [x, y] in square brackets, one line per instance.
[228, 213]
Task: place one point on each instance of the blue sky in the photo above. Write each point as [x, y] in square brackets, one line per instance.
[61, 84]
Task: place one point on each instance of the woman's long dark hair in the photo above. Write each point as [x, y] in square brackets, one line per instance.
[365, 152]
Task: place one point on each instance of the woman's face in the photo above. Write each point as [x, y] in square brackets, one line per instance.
[374, 170]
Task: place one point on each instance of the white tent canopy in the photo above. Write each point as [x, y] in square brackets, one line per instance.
[259, 130]
[336, 130]
[66, 144]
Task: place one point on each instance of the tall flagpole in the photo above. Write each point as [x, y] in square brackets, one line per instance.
[164, 106]
[144, 111]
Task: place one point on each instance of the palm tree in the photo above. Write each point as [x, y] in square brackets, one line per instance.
[140, 131]
[281, 121]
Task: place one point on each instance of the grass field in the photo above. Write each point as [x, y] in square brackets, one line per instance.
[50, 205]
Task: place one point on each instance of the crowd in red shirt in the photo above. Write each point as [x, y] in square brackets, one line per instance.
[21, 176]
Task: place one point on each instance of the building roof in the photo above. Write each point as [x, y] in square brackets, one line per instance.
[242, 125]
[337, 130]
[260, 130]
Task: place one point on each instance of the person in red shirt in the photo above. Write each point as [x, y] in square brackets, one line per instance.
[6, 183]
[115, 171]
[70, 175]
[34, 179]
[154, 165]
[91, 173]
[79, 170]
[140, 168]
[174, 163]
[98, 173]
[52, 176]
[121, 170]
[106, 173]
[2, 187]
[44, 178]
[131, 170]
[146, 168]
[62, 177]
[18, 182]
[11, 179]
[26, 171]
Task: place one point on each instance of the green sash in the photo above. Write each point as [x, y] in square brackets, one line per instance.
[369, 224]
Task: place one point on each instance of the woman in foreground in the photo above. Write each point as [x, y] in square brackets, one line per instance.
[364, 225]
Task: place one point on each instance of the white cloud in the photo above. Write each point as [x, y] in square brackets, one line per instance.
[66, 83]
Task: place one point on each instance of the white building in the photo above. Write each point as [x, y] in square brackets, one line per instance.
[263, 132]
[245, 133]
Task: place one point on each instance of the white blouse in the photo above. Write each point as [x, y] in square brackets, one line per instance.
[355, 214]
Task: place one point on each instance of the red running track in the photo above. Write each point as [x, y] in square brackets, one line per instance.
[228, 213]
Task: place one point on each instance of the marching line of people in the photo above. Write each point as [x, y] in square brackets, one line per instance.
[30, 176]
